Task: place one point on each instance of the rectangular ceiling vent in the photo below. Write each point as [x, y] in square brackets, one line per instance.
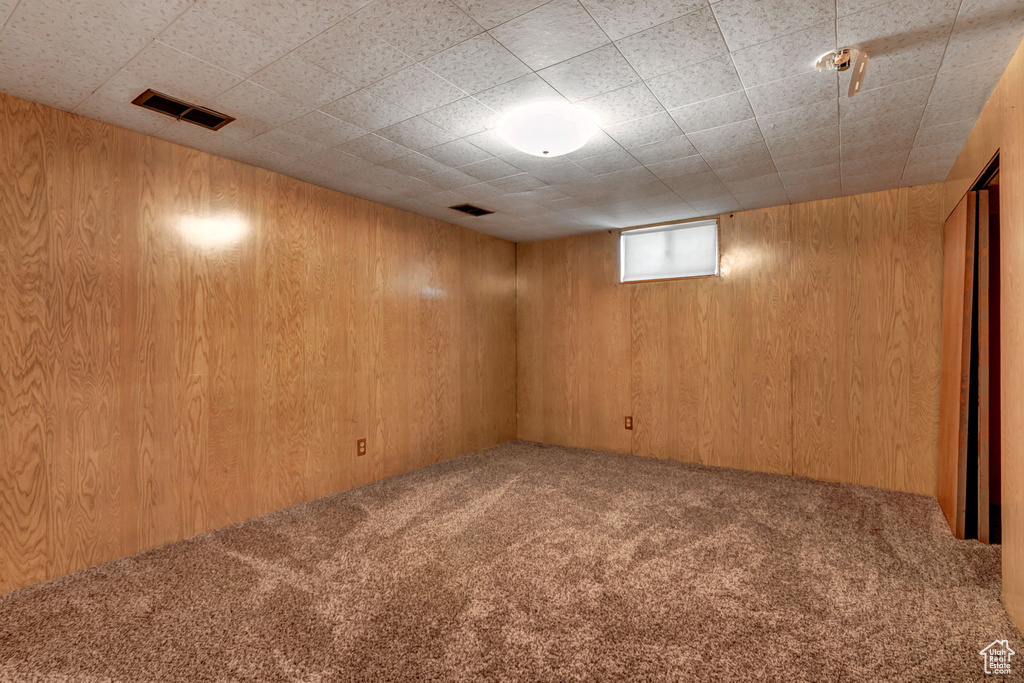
[181, 110]
[471, 210]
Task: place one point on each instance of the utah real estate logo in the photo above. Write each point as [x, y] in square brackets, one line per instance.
[997, 657]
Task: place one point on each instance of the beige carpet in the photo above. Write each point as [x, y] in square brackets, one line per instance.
[530, 562]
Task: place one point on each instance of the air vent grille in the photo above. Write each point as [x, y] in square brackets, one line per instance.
[471, 210]
[181, 110]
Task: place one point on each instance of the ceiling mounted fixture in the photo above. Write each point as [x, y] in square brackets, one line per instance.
[843, 59]
[547, 129]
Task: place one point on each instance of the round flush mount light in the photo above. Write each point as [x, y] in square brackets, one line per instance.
[547, 129]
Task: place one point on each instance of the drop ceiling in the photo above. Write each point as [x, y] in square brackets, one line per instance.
[706, 107]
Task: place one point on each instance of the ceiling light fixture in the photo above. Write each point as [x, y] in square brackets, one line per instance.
[547, 129]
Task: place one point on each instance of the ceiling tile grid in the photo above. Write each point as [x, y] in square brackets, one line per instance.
[706, 106]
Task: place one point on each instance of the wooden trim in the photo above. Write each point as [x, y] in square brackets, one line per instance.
[671, 279]
[984, 367]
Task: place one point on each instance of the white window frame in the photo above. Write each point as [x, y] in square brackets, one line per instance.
[665, 227]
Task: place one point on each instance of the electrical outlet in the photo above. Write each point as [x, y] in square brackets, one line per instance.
[361, 447]
[629, 422]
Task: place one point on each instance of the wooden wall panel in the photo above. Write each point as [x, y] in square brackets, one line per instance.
[957, 276]
[866, 331]
[573, 343]
[1011, 260]
[710, 356]
[1001, 129]
[814, 353]
[153, 388]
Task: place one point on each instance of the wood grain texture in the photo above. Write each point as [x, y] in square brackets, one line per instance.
[866, 331]
[573, 343]
[711, 356]
[1001, 129]
[1011, 264]
[153, 388]
[816, 352]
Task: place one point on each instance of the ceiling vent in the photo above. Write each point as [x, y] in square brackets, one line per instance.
[183, 111]
[471, 210]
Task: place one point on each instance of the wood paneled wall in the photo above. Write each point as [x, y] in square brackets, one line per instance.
[151, 389]
[816, 352]
[1001, 129]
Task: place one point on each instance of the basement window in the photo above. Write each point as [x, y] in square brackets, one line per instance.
[669, 252]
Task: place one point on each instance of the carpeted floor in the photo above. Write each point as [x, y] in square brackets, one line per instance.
[529, 562]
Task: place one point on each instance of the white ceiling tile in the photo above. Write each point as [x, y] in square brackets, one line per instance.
[977, 80]
[718, 111]
[608, 163]
[906, 96]
[984, 28]
[419, 28]
[683, 166]
[792, 92]
[30, 68]
[696, 83]
[480, 191]
[744, 170]
[289, 144]
[730, 156]
[530, 163]
[456, 153]
[303, 81]
[111, 31]
[250, 99]
[374, 148]
[871, 182]
[551, 33]
[489, 169]
[625, 104]
[804, 141]
[462, 117]
[560, 174]
[788, 55]
[417, 134]
[845, 7]
[601, 143]
[490, 13]
[515, 93]
[718, 205]
[747, 23]
[897, 127]
[887, 161]
[590, 74]
[255, 156]
[367, 111]
[286, 22]
[204, 34]
[355, 54]
[416, 89]
[520, 182]
[739, 134]
[419, 166]
[808, 176]
[932, 154]
[809, 192]
[645, 130]
[6, 7]
[794, 120]
[180, 75]
[925, 174]
[477, 64]
[122, 113]
[950, 111]
[489, 141]
[620, 18]
[663, 150]
[823, 156]
[858, 150]
[323, 128]
[687, 40]
[203, 139]
[450, 179]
